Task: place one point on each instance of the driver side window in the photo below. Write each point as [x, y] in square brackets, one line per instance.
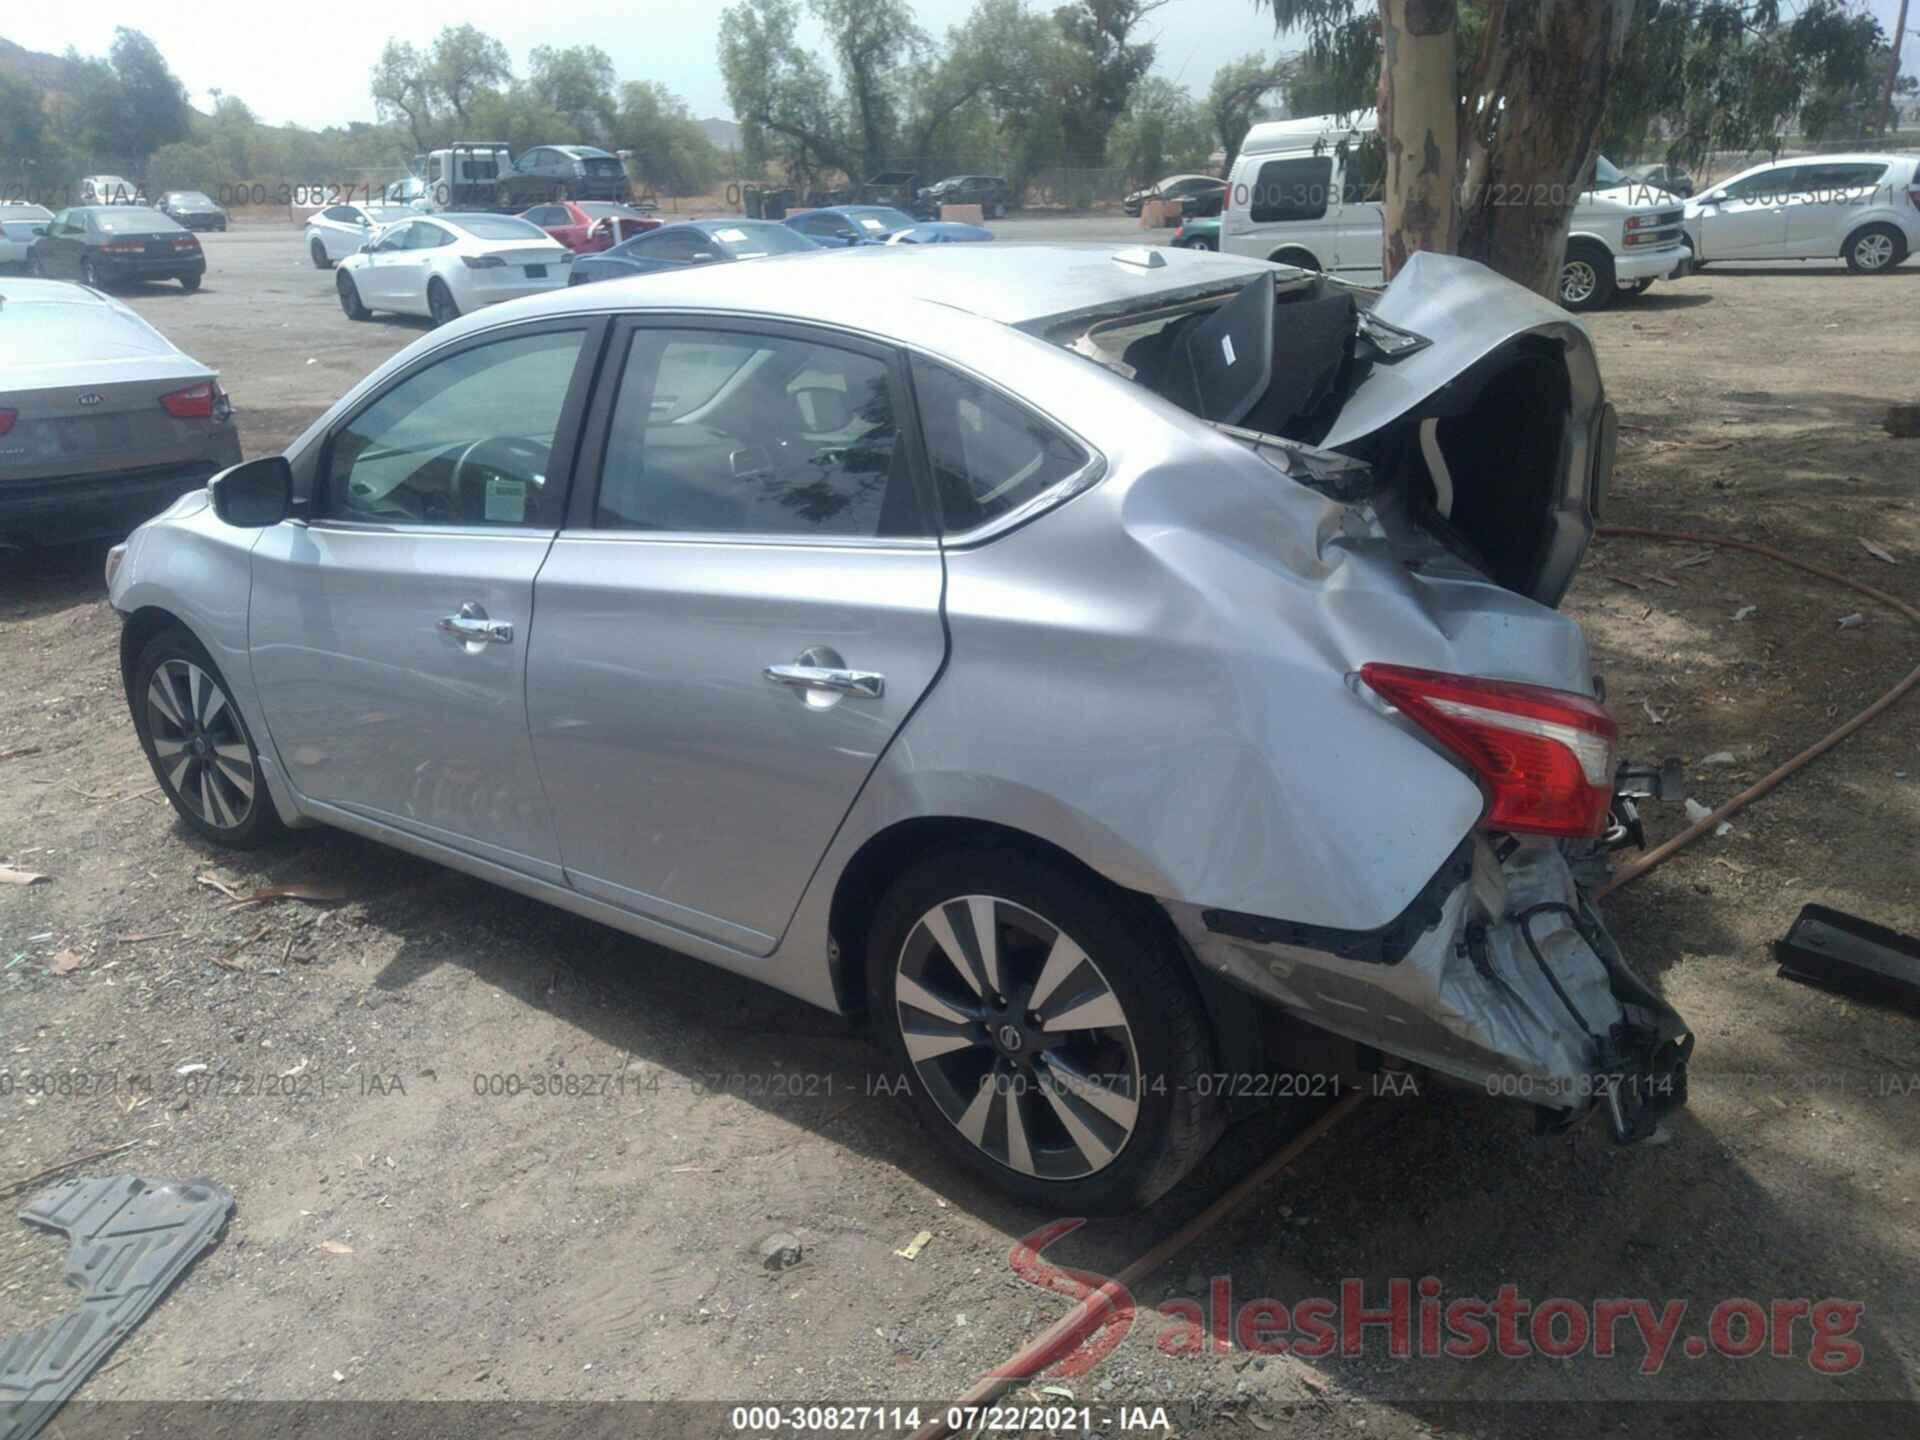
[464, 442]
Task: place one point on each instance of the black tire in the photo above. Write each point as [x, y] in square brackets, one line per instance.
[349, 294]
[190, 283]
[441, 306]
[1200, 244]
[1586, 278]
[88, 275]
[318, 254]
[200, 772]
[1128, 957]
[1875, 250]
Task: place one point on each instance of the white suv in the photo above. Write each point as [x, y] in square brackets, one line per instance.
[1307, 192]
[110, 190]
[1862, 208]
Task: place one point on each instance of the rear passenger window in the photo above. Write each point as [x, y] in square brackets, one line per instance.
[989, 456]
[729, 433]
[1292, 189]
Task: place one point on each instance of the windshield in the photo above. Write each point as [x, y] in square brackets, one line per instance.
[131, 217]
[750, 239]
[497, 227]
[882, 219]
[1605, 174]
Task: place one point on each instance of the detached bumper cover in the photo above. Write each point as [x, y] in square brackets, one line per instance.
[1512, 985]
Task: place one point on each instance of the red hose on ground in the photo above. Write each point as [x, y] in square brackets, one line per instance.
[1066, 1334]
[1661, 853]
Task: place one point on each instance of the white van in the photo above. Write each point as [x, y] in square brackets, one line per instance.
[1307, 192]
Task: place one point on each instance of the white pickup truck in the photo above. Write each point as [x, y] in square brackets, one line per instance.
[1307, 192]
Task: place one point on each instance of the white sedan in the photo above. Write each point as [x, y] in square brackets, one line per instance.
[447, 266]
[339, 230]
[17, 226]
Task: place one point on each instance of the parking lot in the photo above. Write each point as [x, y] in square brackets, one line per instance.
[414, 1223]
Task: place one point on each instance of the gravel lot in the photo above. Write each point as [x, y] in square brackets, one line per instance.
[402, 1232]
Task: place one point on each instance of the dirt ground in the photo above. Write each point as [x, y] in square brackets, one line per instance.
[405, 1231]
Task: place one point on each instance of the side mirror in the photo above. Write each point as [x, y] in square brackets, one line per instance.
[255, 493]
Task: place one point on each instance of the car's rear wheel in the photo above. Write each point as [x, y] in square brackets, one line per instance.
[1200, 242]
[89, 276]
[1586, 277]
[198, 744]
[319, 253]
[350, 297]
[1875, 249]
[190, 283]
[440, 303]
[1052, 1039]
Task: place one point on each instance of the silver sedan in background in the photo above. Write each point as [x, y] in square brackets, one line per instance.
[103, 422]
[19, 224]
[1125, 677]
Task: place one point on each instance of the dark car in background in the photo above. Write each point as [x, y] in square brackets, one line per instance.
[102, 245]
[565, 172]
[991, 193]
[879, 225]
[103, 423]
[1182, 190]
[193, 209]
[674, 248]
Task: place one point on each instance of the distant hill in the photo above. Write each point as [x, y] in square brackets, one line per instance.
[49, 72]
[723, 133]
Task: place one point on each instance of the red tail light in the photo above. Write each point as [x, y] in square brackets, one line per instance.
[193, 403]
[186, 242]
[1543, 757]
[125, 247]
[7, 417]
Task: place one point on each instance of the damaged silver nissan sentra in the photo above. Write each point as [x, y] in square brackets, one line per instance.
[1040, 649]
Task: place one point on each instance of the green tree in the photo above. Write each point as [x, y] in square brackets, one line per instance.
[870, 40]
[519, 117]
[463, 61]
[402, 92]
[670, 152]
[989, 80]
[1234, 97]
[1105, 60]
[781, 96]
[1161, 130]
[577, 82]
[129, 104]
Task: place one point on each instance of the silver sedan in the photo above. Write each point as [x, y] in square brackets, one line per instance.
[1130, 679]
[103, 423]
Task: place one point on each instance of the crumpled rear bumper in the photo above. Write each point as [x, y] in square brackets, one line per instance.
[1501, 975]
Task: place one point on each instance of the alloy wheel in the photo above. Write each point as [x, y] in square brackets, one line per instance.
[202, 752]
[1018, 1037]
[1578, 281]
[1873, 251]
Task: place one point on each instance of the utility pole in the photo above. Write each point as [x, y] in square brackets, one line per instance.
[1893, 70]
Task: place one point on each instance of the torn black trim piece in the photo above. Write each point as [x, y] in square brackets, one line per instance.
[1837, 951]
[132, 1238]
[1387, 945]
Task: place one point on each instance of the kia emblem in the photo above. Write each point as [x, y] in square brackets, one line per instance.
[92, 397]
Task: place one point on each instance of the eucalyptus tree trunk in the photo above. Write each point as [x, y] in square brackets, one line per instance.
[1419, 125]
[1531, 124]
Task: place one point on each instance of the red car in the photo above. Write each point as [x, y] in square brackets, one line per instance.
[589, 225]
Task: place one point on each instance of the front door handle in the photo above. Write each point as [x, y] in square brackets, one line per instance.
[826, 677]
[472, 625]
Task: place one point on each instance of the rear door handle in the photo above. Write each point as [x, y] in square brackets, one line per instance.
[472, 624]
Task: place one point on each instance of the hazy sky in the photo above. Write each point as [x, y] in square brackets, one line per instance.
[309, 63]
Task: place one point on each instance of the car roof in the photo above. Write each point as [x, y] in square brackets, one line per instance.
[25, 205]
[886, 289]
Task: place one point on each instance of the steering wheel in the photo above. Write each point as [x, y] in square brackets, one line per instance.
[481, 456]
